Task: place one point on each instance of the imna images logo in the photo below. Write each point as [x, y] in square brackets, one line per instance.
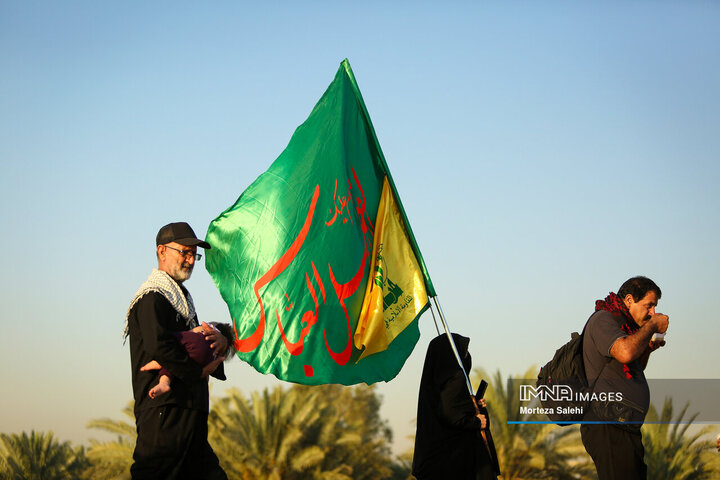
[556, 393]
[565, 393]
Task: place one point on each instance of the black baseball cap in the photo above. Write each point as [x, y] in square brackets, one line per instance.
[179, 232]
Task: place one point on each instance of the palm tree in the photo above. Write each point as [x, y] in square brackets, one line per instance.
[255, 436]
[39, 456]
[112, 460]
[325, 432]
[671, 452]
[528, 451]
[358, 412]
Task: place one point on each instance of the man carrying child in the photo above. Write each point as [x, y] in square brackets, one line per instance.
[172, 426]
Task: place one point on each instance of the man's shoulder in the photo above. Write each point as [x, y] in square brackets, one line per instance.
[603, 319]
[152, 296]
[602, 330]
[151, 300]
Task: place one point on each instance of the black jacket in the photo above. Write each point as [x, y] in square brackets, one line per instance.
[151, 324]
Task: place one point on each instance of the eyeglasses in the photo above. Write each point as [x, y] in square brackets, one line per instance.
[186, 253]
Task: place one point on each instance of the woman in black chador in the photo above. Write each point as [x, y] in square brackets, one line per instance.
[448, 441]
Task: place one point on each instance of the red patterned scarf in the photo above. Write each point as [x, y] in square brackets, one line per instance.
[616, 306]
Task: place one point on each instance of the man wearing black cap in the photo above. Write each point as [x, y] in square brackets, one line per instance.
[172, 427]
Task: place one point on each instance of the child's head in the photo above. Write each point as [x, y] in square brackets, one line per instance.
[227, 331]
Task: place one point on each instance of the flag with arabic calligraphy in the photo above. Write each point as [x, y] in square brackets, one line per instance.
[316, 260]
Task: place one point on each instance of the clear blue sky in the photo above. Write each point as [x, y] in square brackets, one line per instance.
[544, 152]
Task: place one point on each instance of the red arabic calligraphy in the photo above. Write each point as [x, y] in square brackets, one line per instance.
[343, 208]
[342, 291]
[250, 343]
[309, 318]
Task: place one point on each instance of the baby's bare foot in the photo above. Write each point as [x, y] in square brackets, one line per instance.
[162, 387]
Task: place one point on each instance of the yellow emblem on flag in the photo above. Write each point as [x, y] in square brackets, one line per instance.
[395, 294]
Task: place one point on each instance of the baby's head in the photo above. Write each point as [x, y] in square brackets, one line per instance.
[227, 331]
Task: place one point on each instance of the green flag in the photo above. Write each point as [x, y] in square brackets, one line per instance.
[315, 295]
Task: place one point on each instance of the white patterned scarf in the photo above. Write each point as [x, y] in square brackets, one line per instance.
[161, 282]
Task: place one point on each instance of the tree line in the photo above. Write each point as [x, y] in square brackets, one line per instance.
[331, 432]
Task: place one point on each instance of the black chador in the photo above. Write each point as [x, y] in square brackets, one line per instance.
[448, 441]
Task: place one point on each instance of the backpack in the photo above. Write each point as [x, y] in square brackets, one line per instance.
[566, 368]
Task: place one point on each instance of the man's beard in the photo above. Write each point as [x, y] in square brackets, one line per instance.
[181, 273]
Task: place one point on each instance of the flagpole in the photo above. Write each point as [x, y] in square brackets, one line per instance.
[483, 434]
[432, 311]
[452, 345]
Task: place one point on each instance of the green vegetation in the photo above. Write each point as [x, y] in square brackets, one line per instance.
[39, 456]
[331, 432]
[111, 460]
[324, 432]
[672, 453]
